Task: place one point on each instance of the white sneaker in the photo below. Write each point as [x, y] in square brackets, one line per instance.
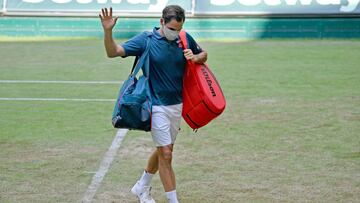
[143, 193]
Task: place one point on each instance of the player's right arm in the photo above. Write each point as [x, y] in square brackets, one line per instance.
[108, 23]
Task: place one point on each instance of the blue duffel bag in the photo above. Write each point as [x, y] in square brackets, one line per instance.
[133, 107]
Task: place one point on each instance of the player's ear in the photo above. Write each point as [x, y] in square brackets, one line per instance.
[162, 21]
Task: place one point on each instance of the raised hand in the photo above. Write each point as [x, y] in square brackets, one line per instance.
[107, 20]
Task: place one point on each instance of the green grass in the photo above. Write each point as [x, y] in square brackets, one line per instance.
[290, 132]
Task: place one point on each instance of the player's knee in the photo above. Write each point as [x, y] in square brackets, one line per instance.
[165, 153]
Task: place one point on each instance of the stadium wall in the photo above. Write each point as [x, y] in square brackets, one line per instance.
[205, 28]
[210, 19]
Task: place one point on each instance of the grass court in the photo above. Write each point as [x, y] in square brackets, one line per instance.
[290, 132]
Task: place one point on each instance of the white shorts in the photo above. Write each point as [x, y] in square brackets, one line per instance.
[165, 124]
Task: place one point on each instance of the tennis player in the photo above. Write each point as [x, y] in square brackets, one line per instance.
[167, 65]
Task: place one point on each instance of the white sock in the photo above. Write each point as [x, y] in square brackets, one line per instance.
[146, 179]
[172, 197]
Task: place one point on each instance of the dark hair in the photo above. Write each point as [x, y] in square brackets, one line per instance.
[173, 12]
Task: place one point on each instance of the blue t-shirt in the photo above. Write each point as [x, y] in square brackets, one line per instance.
[167, 64]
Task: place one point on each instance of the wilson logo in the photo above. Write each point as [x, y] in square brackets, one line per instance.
[208, 81]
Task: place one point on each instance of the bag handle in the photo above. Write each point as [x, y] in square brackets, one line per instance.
[139, 61]
[184, 43]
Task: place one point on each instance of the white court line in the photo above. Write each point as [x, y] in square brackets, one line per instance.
[56, 99]
[104, 166]
[57, 82]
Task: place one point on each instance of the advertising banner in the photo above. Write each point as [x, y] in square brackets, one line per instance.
[119, 6]
[195, 7]
[277, 7]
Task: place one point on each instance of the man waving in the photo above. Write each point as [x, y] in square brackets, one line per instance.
[167, 65]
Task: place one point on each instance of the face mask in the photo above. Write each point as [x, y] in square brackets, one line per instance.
[170, 35]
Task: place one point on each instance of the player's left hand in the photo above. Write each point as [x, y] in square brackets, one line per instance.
[189, 55]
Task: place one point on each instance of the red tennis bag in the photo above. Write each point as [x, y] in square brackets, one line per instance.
[203, 99]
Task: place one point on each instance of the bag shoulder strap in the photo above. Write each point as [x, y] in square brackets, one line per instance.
[134, 64]
[183, 39]
[133, 70]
